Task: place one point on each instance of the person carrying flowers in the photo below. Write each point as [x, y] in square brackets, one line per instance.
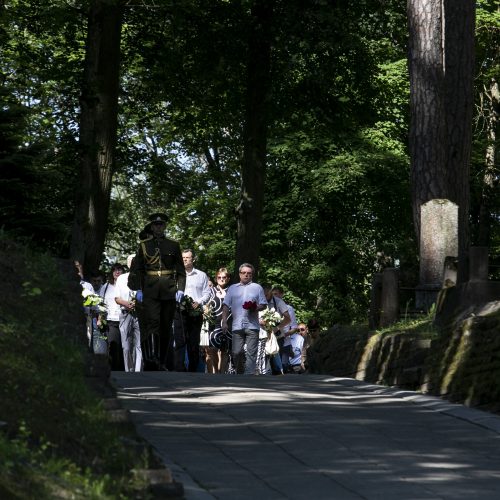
[244, 299]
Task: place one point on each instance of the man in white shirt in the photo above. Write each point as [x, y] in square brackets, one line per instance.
[129, 324]
[189, 315]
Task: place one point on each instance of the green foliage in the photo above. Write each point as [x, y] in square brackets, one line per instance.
[337, 189]
[58, 439]
[40, 66]
[337, 165]
[484, 177]
[423, 327]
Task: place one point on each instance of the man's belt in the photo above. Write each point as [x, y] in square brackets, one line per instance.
[163, 272]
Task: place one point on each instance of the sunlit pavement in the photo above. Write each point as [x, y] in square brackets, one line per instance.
[311, 437]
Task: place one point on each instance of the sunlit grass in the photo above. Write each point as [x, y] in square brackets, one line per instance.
[422, 326]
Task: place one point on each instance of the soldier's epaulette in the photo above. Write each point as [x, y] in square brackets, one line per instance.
[150, 237]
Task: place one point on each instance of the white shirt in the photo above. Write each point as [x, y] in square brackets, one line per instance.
[277, 304]
[87, 285]
[297, 343]
[291, 325]
[197, 286]
[122, 291]
[107, 292]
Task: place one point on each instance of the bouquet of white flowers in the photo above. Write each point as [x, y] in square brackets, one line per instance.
[93, 300]
[97, 304]
[271, 318]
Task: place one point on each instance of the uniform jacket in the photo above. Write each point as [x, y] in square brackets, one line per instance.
[158, 269]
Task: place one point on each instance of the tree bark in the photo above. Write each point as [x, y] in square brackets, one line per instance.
[459, 77]
[441, 64]
[250, 208]
[98, 131]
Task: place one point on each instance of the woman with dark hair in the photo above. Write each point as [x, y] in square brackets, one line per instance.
[107, 292]
[219, 343]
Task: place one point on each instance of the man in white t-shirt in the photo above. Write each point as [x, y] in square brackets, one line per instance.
[129, 324]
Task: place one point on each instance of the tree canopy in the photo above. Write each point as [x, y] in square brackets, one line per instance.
[336, 192]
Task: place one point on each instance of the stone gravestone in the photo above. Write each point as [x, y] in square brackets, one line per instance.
[389, 313]
[438, 240]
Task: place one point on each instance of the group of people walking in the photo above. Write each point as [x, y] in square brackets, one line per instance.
[166, 314]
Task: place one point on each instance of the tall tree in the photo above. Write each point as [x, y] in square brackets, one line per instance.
[98, 131]
[250, 207]
[485, 158]
[441, 63]
[40, 70]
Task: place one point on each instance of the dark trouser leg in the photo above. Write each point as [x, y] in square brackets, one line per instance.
[167, 316]
[238, 342]
[115, 346]
[180, 335]
[152, 311]
[149, 344]
[252, 341]
[193, 341]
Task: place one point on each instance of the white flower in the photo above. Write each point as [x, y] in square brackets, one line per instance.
[86, 292]
[271, 318]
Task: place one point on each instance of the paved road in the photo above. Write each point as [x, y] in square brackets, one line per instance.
[312, 437]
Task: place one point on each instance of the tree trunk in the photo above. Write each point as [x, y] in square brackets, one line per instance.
[250, 208]
[98, 131]
[459, 77]
[441, 64]
[427, 126]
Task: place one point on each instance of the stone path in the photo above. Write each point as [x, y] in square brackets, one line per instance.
[312, 437]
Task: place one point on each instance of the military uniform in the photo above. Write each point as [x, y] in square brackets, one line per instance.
[158, 271]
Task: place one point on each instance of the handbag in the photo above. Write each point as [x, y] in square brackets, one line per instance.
[272, 346]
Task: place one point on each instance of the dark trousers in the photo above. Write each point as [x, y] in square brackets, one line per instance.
[115, 345]
[187, 339]
[159, 316]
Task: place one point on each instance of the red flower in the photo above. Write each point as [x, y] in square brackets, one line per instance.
[250, 305]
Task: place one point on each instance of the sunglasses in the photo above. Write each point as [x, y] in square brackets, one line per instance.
[223, 278]
[302, 329]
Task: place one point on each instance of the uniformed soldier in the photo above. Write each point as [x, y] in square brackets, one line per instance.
[158, 271]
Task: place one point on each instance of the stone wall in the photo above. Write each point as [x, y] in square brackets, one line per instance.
[461, 363]
[464, 362]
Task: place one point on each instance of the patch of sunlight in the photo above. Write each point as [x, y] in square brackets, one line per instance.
[443, 465]
[441, 477]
